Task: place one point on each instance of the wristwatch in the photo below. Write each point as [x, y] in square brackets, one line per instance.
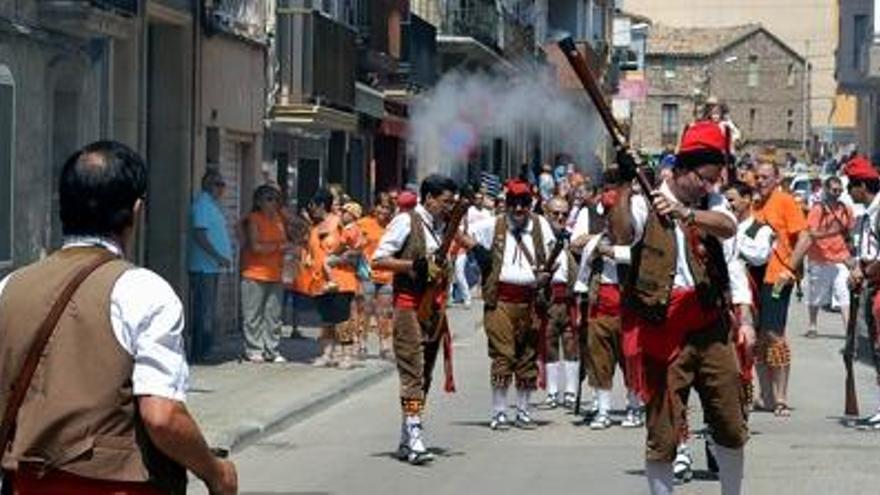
[690, 217]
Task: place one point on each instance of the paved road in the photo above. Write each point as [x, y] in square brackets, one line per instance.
[348, 448]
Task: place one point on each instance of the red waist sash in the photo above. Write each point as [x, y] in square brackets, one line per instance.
[559, 292]
[516, 294]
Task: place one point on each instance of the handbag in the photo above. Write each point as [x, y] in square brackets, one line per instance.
[44, 333]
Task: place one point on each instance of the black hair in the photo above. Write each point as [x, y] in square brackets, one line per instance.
[99, 187]
[872, 185]
[212, 176]
[435, 185]
[690, 160]
[833, 179]
[323, 198]
[263, 192]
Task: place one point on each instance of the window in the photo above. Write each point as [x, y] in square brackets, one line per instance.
[753, 71]
[860, 38]
[669, 124]
[790, 123]
[753, 116]
[668, 68]
[791, 74]
[7, 138]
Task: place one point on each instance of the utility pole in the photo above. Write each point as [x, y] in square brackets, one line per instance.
[806, 98]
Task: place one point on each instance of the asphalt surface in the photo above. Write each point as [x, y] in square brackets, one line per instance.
[348, 448]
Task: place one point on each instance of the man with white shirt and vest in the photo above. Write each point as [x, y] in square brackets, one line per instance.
[601, 272]
[512, 251]
[557, 323]
[407, 249]
[110, 418]
[864, 187]
[675, 302]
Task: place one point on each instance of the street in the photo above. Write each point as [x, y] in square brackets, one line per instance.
[349, 448]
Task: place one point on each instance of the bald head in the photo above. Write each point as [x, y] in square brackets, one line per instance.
[556, 211]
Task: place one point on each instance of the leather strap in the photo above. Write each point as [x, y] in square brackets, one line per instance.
[44, 333]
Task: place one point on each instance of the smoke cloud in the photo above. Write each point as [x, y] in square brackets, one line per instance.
[464, 111]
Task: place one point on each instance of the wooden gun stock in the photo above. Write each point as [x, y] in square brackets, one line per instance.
[618, 137]
[851, 403]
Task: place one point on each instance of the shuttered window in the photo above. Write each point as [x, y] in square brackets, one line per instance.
[7, 138]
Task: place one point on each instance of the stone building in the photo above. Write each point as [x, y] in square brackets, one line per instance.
[809, 27]
[753, 71]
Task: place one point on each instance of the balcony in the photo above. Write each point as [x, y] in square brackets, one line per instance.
[316, 77]
[243, 18]
[418, 65]
[90, 18]
[479, 21]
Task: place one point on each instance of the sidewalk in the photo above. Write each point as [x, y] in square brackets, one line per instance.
[236, 402]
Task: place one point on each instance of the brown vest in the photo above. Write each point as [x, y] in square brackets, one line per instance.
[414, 247]
[651, 276]
[499, 240]
[79, 415]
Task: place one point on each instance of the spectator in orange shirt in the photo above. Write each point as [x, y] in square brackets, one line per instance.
[261, 288]
[377, 291]
[830, 222]
[779, 210]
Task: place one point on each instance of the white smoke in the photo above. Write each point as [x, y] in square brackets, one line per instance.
[464, 111]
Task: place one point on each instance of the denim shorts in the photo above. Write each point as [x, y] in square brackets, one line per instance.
[372, 289]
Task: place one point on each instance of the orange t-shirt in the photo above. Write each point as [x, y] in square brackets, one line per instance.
[832, 249]
[372, 235]
[265, 267]
[785, 216]
[329, 238]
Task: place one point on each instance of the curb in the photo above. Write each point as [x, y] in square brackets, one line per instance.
[249, 432]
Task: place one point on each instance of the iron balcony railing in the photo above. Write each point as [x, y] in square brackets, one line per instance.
[128, 7]
[478, 21]
[317, 59]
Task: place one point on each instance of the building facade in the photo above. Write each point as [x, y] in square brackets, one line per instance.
[809, 28]
[760, 78]
[858, 68]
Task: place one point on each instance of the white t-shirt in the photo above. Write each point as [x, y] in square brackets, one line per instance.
[515, 268]
[147, 320]
[398, 230]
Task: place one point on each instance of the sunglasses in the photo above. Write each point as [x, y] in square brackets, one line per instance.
[560, 214]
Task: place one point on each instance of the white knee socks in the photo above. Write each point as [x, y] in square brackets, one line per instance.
[660, 477]
[572, 370]
[731, 464]
[499, 400]
[604, 400]
[553, 378]
[522, 399]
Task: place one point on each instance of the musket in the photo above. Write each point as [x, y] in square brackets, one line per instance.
[434, 299]
[851, 401]
[618, 137]
[558, 247]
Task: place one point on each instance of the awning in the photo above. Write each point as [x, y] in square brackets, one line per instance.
[369, 101]
[314, 117]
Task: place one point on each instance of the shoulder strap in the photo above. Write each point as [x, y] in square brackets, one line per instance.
[44, 333]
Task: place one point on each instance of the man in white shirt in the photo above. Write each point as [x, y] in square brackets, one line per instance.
[512, 251]
[680, 322]
[102, 193]
[557, 325]
[408, 248]
[864, 186]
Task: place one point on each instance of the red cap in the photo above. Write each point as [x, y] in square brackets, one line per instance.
[861, 169]
[407, 200]
[517, 187]
[704, 135]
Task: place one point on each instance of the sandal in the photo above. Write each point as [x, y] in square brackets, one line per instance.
[782, 411]
[811, 333]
